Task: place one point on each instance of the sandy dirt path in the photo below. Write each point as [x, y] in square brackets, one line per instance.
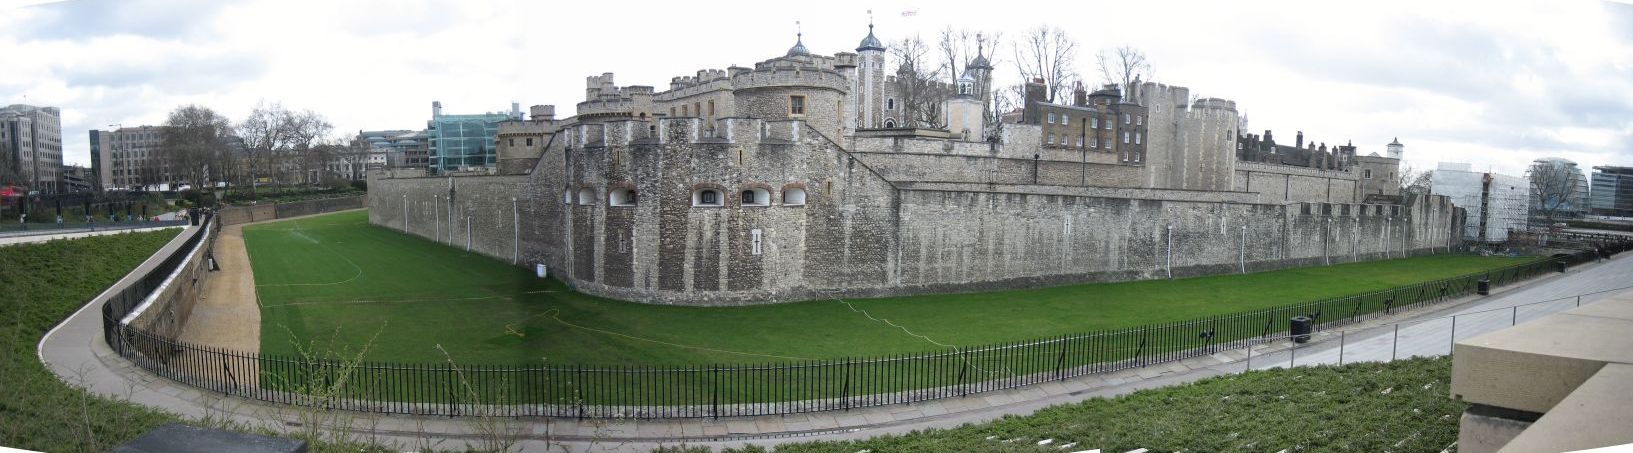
[227, 315]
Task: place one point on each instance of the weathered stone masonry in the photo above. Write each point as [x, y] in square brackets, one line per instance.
[859, 234]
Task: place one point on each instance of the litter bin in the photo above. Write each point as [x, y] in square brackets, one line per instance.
[1301, 328]
[1559, 265]
[1485, 287]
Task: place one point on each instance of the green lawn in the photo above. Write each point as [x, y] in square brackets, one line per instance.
[1372, 407]
[337, 276]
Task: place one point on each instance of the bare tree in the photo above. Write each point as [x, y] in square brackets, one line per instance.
[1414, 181]
[958, 47]
[193, 138]
[1555, 185]
[1123, 65]
[919, 91]
[1047, 53]
[278, 141]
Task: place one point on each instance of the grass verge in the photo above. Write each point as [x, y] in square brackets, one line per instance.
[1398, 406]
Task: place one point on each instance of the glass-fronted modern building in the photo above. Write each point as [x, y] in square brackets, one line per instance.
[464, 142]
[1612, 193]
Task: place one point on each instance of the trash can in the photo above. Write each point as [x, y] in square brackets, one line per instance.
[1484, 287]
[541, 270]
[1559, 265]
[1301, 328]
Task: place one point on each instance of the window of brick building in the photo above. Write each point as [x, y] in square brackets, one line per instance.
[1139, 120]
[796, 105]
[1366, 173]
[754, 241]
[1065, 119]
[1050, 140]
[698, 106]
[1094, 123]
[1094, 142]
[530, 141]
[711, 107]
[685, 111]
[1136, 138]
[1125, 137]
[890, 104]
[1051, 117]
[1127, 118]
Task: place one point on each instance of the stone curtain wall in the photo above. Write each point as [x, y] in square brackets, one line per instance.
[255, 213]
[975, 240]
[1285, 183]
[860, 234]
[480, 218]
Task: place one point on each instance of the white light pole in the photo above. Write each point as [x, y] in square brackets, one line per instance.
[516, 228]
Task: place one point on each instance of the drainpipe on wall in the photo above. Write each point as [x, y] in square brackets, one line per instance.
[405, 213]
[467, 232]
[1170, 251]
[1326, 238]
[516, 227]
[1241, 252]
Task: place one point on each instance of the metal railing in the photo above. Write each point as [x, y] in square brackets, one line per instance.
[759, 389]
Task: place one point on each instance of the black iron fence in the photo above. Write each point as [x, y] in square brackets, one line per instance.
[723, 390]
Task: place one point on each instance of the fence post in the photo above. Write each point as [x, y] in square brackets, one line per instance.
[1452, 343]
[1060, 362]
[1249, 358]
[1395, 345]
[578, 388]
[1516, 319]
[845, 392]
[1578, 301]
[1292, 355]
[1341, 346]
[714, 394]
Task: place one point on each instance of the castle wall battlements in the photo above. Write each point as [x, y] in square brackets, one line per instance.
[684, 131]
[791, 76]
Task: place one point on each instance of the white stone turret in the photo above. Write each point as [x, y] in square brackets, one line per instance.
[1396, 149]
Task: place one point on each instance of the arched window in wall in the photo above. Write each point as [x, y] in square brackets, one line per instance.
[707, 198]
[793, 196]
[755, 197]
[890, 123]
[586, 196]
[622, 196]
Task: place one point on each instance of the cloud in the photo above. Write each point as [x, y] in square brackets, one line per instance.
[85, 19]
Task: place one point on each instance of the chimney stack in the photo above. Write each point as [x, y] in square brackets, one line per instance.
[1298, 142]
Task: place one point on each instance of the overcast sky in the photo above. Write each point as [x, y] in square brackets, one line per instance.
[1495, 84]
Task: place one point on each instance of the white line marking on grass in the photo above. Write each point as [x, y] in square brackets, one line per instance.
[1005, 370]
[364, 301]
[552, 313]
[297, 230]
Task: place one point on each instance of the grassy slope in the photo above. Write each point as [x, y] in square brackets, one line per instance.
[44, 283]
[418, 294]
[1372, 407]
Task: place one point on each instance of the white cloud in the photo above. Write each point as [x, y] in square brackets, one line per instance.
[1496, 84]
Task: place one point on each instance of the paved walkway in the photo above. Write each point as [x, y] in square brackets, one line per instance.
[70, 234]
[77, 353]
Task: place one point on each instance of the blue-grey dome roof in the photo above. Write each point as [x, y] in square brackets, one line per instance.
[799, 47]
[870, 42]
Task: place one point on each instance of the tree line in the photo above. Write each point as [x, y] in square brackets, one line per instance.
[926, 73]
[273, 146]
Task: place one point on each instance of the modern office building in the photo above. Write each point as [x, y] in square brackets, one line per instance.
[398, 148]
[1612, 193]
[31, 146]
[465, 142]
[77, 179]
[128, 159]
[1559, 189]
[1495, 203]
